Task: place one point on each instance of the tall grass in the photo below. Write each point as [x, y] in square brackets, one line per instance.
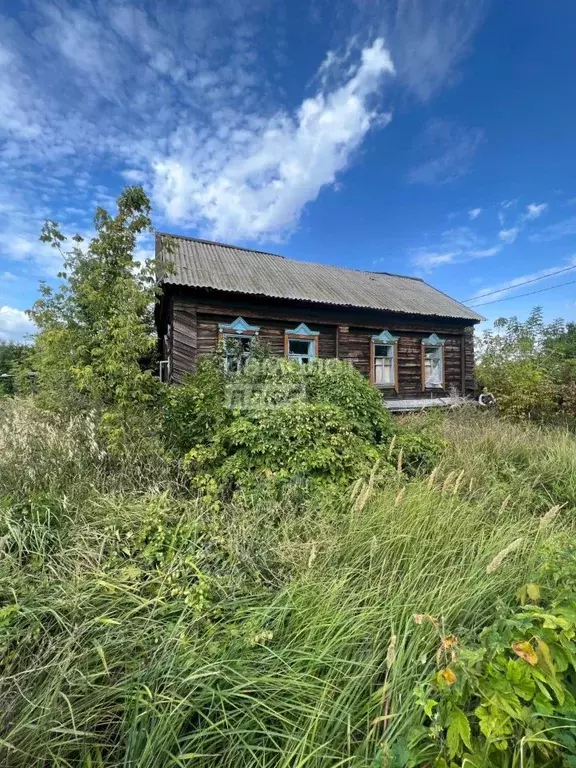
[145, 629]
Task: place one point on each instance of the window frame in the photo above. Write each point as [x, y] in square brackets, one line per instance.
[301, 333]
[239, 329]
[438, 343]
[385, 339]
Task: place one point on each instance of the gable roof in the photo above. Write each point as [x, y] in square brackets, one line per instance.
[205, 264]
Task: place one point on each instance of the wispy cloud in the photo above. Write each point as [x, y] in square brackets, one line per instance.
[530, 213]
[535, 210]
[474, 213]
[452, 147]
[564, 228]
[500, 290]
[220, 155]
[429, 39]
[179, 97]
[508, 236]
[456, 246]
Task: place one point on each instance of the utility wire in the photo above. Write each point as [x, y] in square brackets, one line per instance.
[517, 285]
[530, 293]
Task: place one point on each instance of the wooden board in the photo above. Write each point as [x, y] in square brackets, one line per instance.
[194, 322]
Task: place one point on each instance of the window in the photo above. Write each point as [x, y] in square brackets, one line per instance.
[237, 338]
[433, 362]
[301, 344]
[384, 365]
[236, 352]
[301, 351]
[383, 360]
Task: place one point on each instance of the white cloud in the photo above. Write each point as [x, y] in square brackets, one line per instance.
[179, 97]
[456, 246]
[255, 182]
[452, 147]
[535, 210]
[428, 260]
[474, 213]
[508, 236]
[14, 324]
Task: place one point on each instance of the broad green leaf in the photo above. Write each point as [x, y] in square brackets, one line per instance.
[458, 732]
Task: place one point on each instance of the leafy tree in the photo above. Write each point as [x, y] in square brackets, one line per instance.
[95, 343]
[528, 365]
[12, 355]
[563, 344]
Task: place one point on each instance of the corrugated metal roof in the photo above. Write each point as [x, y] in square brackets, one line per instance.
[204, 264]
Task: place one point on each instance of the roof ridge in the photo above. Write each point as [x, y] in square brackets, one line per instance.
[221, 245]
[288, 258]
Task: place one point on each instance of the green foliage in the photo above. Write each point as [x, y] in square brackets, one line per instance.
[330, 382]
[514, 694]
[529, 366]
[141, 626]
[12, 356]
[276, 424]
[301, 443]
[195, 411]
[96, 331]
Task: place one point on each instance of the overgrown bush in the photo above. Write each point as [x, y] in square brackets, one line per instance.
[277, 424]
[195, 411]
[529, 366]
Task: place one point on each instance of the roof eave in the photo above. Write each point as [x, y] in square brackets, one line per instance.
[179, 284]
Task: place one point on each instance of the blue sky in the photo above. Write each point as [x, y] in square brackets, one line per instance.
[427, 138]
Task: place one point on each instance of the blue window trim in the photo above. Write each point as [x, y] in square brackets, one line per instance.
[239, 326]
[384, 337]
[301, 330]
[433, 341]
[301, 333]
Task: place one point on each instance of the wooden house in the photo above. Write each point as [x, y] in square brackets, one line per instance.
[412, 341]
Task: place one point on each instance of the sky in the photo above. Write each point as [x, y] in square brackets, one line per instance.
[429, 138]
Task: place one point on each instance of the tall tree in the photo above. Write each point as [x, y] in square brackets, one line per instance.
[95, 340]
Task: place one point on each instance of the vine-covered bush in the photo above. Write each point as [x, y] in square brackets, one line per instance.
[194, 411]
[277, 424]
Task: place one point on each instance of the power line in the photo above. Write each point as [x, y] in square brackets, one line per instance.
[517, 285]
[530, 293]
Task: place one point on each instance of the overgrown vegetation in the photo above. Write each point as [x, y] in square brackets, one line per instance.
[12, 357]
[263, 568]
[530, 366]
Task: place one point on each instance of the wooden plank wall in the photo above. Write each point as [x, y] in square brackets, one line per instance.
[195, 333]
[184, 341]
[271, 333]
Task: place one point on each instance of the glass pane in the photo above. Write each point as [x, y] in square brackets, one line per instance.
[388, 371]
[297, 347]
[432, 366]
[384, 365]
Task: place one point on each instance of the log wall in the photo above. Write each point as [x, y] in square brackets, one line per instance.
[195, 319]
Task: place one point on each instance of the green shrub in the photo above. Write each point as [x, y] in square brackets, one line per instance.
[196, 410]
[277, 424]
[329, 382]
[303, 443]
